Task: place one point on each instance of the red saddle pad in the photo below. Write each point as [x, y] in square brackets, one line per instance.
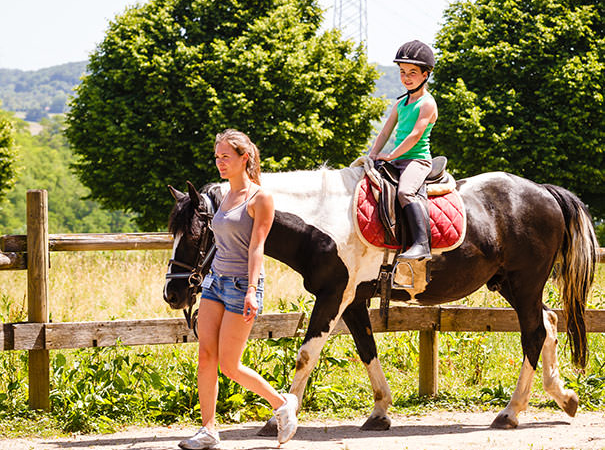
[447, 215]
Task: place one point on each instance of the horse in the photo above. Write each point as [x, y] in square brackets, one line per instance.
[518, 233]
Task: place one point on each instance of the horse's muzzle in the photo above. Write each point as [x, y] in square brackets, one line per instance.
[174, 300]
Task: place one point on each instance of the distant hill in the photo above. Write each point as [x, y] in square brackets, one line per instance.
[38, 93]
[389, 84]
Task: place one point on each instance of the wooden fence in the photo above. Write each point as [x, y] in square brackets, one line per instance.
[38, 335]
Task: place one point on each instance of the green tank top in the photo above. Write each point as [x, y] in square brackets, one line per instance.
[407, 115]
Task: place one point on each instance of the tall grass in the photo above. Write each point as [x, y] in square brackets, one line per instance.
[98, 389]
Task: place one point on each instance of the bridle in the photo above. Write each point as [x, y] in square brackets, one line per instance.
[195, 274]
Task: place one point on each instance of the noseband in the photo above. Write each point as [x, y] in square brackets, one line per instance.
[195, 274]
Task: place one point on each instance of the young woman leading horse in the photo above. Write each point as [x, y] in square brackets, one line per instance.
[516, 232]
[232, 293]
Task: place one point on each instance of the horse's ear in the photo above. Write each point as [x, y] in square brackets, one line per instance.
[194, 195]
[175, 193]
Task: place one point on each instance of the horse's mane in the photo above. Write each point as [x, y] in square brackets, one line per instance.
[180, 220]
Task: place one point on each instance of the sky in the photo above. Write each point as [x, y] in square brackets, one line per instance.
[35, 34]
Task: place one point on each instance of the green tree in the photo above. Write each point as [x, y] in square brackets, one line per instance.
[43, 163]
[520, 86]
[7, 154]
[171, 74]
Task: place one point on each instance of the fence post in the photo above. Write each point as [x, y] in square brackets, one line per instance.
[37, 294]
[428, 363]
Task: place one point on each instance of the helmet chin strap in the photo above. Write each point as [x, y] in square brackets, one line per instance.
[411, 91]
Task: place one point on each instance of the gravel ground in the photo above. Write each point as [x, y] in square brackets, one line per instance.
[434, 430]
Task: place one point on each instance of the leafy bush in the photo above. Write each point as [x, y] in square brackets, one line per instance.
[100, 387]
[13, 395]
[7, 154]
[600, 231]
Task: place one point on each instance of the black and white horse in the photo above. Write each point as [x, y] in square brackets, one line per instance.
[517, 232]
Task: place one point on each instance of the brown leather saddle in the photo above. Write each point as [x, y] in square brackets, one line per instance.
[389, 209]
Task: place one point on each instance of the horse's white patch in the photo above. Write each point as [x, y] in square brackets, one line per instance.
[550, 368]
[478, 181]
[177, 239]
[520, 398]
[308, 354]
[382, 392]
[321, 198]
[324, 199]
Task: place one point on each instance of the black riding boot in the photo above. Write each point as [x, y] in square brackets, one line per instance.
[419, 230]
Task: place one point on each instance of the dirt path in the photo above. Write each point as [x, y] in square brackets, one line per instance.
[435, 430]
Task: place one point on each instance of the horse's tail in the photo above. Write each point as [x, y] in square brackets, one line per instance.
[575, 267]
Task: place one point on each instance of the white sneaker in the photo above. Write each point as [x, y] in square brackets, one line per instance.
[286, 418]
[203, 439]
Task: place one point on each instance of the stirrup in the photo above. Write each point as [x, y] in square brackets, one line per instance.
[412, 275]
[396, 285]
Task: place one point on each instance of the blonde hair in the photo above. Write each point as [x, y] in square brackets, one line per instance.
[242, 144]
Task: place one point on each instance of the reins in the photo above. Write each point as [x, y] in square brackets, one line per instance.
[195, 274]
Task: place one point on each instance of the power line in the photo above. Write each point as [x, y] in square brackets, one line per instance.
[351, 17]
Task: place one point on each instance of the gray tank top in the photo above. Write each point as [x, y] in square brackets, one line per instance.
[232, 231]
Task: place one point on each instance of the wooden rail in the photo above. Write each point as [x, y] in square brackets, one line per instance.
[88, 242]
[38, 336]
[65, 335]
[13, 247]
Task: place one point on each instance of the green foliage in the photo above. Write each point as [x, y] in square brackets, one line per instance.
[7, 154]
[520, 86]
[600, 232]
[13, 398]
[39, 92]
[102, 386]
[590, 386]
[43, 163]
[171, 74]
[401, 351]
[470, 349]
[497, 396]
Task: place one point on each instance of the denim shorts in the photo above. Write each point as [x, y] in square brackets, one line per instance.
[231, 291]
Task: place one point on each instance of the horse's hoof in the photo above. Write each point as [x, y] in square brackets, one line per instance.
[571, 404]
[504, 422]
[270, 428]
[376, 424]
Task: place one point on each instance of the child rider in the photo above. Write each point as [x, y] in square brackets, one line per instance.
[413, 116]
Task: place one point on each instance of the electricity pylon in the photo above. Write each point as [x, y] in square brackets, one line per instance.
[351, 17]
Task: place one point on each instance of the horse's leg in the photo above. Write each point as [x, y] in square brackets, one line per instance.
[528, 306]
[358, 320]
[324, 317]
[565, 398]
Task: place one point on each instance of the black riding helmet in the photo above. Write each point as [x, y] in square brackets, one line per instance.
[418, 53]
